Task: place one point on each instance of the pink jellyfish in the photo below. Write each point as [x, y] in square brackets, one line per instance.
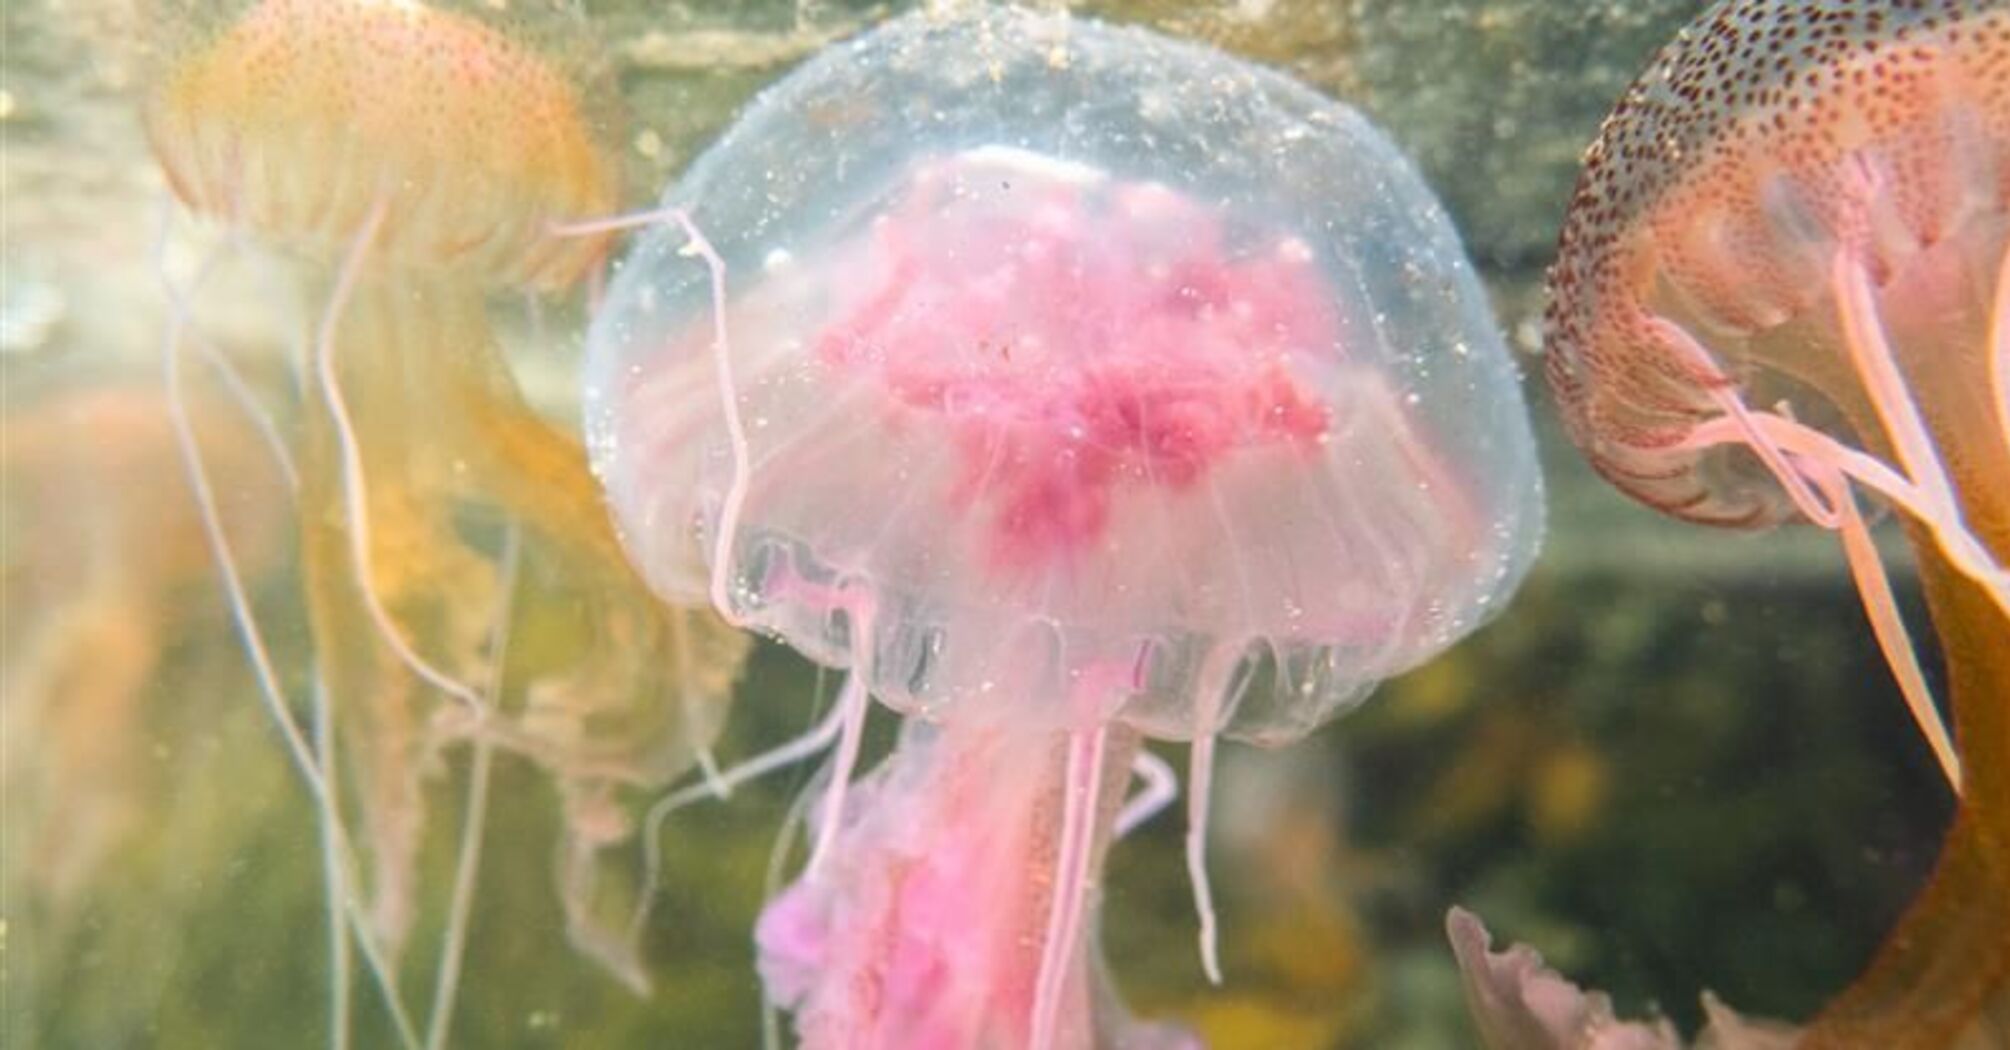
[1071, 387]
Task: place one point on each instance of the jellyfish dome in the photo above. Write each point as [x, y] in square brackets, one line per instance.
[1064, 347]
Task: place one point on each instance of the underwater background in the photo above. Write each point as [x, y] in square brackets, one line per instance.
[1676, 761]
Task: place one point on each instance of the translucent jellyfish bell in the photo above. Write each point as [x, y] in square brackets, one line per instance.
[1067, 350]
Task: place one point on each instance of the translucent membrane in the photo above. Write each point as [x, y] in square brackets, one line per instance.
[1069, 386]
[1070, 346]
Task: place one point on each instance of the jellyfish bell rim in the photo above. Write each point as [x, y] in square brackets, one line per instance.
[675, 558]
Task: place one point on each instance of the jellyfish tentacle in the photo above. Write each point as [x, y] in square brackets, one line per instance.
[1199, 784]
[234, 384]
[1810, 462]
[854, 701]
[1813, 459]
[1211, 692]
[354, 489]
[333, 875]
[1873, 587]
[1771, 434]
[1725, 393]
[788, 753]
[344, 577]
[240, 391]
[1871, 355]
[446, 982]
[734, 499]
[781, 756]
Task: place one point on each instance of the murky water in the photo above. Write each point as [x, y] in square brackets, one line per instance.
[1675, 762]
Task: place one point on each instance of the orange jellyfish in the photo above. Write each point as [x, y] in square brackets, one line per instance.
[409, 161]
[1782, 285]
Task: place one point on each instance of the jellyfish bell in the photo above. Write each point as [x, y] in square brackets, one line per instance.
[1070, 386]
[301, 116]
[1080, 416]
[1782, 281]
[1743, 211]
[1074, 378]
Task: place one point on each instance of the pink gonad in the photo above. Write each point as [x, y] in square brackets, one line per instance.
[1071, 387]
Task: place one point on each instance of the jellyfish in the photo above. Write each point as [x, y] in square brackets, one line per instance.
[1070, 388]
[102, 553]
[406, 162]
[1782, 286]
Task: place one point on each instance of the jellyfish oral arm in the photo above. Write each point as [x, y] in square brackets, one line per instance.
[957, 903]
[1087, 750]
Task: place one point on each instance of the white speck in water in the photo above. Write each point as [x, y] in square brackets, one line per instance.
[29, 314]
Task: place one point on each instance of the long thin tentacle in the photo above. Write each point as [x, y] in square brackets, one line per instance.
[1212, 688]
[446, 982]
[1876, 367]
[1888, 627]
[735, 499]
[355, 490]
[798, 749]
